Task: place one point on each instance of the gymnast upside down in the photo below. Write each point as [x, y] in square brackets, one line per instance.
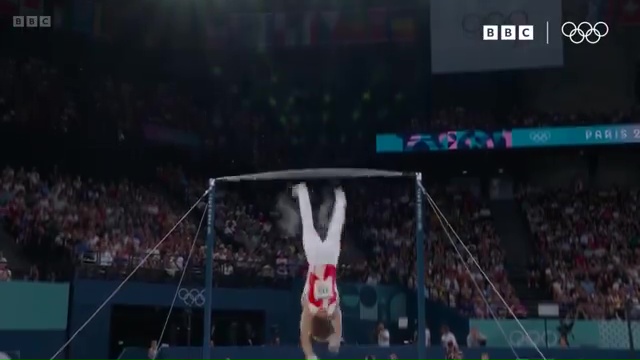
[321, 318]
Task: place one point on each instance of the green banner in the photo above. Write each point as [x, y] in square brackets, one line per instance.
[33, 305]
[610, 334]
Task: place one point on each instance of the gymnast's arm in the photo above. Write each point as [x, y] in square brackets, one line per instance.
[336, 323]
[305, 333]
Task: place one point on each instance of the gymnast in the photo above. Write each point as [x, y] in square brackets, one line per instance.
[321, 318]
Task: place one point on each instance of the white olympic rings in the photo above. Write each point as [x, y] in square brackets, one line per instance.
[519, 339]
[192, 297]
[584, 31]
[540, 136]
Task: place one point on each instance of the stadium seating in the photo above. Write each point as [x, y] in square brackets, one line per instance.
[587, 246]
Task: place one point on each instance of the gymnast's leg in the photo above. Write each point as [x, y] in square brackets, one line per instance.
[334, 232]
[310, 238]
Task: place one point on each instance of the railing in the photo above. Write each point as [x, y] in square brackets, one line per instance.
[227, 273]
[223, 275]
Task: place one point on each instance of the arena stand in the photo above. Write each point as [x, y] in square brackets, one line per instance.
[391, 247]
[472, 219]
[113, 95]
[105, 229]
[587, 243]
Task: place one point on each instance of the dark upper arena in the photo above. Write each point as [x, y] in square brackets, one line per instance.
[113, 119]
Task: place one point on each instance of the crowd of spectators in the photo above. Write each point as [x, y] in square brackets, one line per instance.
[392, 249]
[587, 248]
[107, 228]
[472, 221]
[110, 224]
[114, 225]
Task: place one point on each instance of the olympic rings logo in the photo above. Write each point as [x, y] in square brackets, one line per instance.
[473, 23]
[519, 339]
[192, 297]
[584, 31]
[540, 136]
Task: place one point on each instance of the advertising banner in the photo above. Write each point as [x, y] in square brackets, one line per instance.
[577, 136]
[33, 305]
[444, 141]
[584, 333]
[505, 139]
[457, 43]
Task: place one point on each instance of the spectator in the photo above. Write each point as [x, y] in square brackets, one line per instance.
[476, 338]
[384, 338]
[152, 352]
[448, 339]
[5, 272]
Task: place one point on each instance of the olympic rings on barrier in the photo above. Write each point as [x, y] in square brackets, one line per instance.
[192, 297]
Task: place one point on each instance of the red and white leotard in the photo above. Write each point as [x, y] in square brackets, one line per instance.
[321, 292]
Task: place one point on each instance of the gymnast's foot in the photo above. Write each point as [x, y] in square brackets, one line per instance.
[296, 189]
[340, 197]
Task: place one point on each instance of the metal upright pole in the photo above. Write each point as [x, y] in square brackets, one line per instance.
[208, 286]
[422, 347]
[629, 311]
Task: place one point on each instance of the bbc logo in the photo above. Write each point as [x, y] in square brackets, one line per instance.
[507, 32]
[31, 21]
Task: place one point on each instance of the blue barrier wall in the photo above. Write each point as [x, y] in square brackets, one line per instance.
[33, 317]
[439, 314]
[359, 353]
[93, 341]
[32, 344]
[363, 306]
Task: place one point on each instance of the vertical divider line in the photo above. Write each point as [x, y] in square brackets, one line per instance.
[547, 33]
